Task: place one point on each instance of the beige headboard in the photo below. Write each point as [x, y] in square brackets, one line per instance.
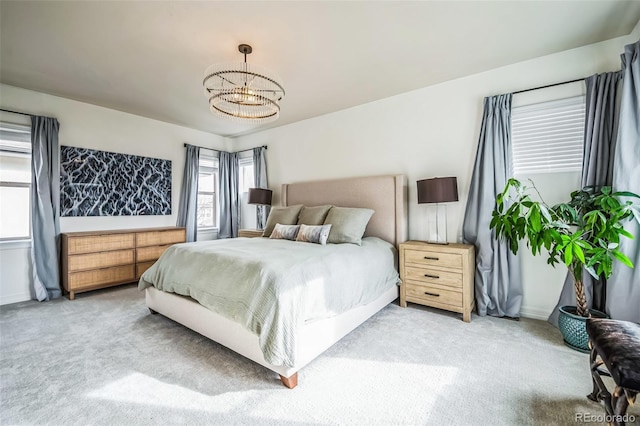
[386, 195]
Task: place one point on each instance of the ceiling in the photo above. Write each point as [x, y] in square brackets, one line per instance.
[148, 58]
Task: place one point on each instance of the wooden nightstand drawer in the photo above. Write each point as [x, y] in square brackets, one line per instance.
[438, 275]
[433, 258]
[426, 294]
[250, 233]
[433, 276]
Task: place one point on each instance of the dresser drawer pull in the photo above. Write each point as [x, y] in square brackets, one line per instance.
[431, 294]
[431, 258]
[431, 276]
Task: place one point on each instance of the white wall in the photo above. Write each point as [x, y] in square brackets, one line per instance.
[427, 133]
[90, 126]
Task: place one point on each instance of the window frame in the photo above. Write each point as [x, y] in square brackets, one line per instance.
[215, 172]
[245, 162]
[17, 151]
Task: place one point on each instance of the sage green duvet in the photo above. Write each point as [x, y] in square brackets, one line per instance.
[271, 286]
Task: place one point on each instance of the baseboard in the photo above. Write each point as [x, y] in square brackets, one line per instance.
[534, 313]
[14, 298]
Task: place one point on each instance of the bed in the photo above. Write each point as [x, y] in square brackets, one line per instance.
[386, 195]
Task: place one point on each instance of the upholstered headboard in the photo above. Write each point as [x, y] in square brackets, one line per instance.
[386, 195]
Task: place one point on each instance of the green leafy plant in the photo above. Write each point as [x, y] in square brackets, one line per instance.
[583, 234]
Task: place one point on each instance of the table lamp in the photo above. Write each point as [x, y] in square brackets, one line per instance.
[260, 197]
[438, 190]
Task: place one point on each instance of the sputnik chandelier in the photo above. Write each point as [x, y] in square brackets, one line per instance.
[243, 92]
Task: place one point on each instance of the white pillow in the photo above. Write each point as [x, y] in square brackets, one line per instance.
[314, 234]
[284, 232]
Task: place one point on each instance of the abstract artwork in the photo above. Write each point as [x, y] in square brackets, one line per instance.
[100, 183]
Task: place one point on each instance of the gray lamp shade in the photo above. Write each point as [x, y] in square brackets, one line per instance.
[437, 190]
[260, 196]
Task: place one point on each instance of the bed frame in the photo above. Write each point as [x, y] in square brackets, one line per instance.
[387, 195]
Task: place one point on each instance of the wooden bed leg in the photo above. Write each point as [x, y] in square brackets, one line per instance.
[152, 311]
[290, 382]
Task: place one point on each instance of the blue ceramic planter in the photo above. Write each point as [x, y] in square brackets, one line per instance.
[574, 327]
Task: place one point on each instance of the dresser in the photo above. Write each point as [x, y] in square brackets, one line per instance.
[438, 275]
[99, 259]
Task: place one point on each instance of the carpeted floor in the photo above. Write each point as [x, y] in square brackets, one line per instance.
[103, 359]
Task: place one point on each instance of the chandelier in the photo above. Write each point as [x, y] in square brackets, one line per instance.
[243, 92]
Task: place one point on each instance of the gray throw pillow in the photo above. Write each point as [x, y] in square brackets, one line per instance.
[283, 215]
[313, 234]
[313, 215]
[284, 232]
[347, 224]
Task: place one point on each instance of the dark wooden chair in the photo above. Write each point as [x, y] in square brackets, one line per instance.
[616, 344]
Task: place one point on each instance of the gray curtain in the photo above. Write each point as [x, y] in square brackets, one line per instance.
[600, 128]
[188, 207]
[623, 289]
[45, 207]
[601, 116]
[229, 205]
[498, 285]
[260, 181]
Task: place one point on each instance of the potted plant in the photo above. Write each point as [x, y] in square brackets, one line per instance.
[583, 234]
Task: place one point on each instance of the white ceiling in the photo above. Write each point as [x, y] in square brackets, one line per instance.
[148, 58]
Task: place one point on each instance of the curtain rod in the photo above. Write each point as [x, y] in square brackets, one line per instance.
[217, 150]
[16, 112]
[549, 85]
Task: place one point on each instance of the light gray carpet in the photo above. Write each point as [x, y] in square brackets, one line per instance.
[103, 359]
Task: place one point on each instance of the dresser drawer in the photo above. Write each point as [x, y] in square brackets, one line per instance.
[433, 276]
[141, 267]
[80, 262]
[118, 274]
[146, 254]
[157, 238]
[426, 294]
[96, 243]
[432, 258]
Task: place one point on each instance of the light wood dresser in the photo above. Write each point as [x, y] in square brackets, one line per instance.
[93, 260]
[438, 275]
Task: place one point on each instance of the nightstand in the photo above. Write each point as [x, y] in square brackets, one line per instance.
[438, 275]
[250, 233]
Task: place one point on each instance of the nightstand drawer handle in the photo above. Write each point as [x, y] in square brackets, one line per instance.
[431, 294]
[431, 276]
[431, 258]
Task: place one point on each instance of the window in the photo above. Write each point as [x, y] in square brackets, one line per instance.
[15, 182]
[207, 184]
[548, 137]
[245, 178]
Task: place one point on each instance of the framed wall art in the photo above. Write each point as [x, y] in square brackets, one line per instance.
[101, 183]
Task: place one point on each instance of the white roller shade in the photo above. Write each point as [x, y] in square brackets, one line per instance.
[15, 138]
